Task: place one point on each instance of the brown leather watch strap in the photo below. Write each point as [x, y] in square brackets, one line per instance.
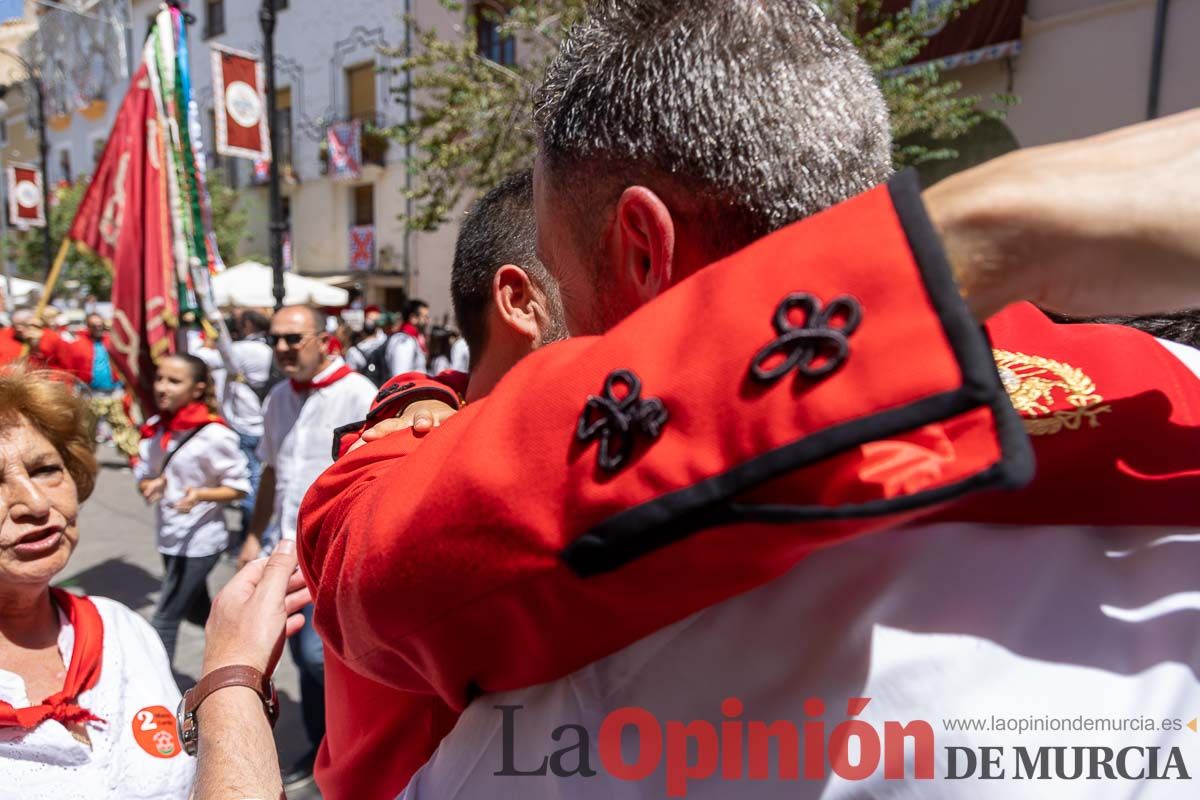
[223, 678]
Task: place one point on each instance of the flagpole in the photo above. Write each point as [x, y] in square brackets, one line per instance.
[266, 17]
[51, 279]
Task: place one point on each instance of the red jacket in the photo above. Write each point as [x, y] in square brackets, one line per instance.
[82, 356]
[505, 551]
[51, 352]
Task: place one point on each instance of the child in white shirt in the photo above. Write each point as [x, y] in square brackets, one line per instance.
[191, 463]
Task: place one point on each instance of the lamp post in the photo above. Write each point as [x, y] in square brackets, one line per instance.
[34, 76]
[266, 18]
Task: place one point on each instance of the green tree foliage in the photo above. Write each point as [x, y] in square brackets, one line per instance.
[471, 125]
[87, 270]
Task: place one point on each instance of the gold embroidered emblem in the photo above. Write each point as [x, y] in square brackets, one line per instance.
[1035, 385]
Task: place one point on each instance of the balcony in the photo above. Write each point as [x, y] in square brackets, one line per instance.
[375, 144]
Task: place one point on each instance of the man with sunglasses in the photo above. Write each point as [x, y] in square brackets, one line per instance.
[321, 393]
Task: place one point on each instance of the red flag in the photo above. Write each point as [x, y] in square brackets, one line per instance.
[123, 218]
[240, 109]
[25, 209]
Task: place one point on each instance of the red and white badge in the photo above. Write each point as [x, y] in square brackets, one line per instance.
[154, 731]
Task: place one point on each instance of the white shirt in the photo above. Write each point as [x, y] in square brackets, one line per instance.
[239, 401]
[211, 458]
[930, 623]
[136, 697]
[298, 437]
[952, 624]
[357, 355]
[405, 354]
[460, 355]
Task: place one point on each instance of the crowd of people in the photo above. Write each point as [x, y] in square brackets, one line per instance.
[251, 434]
[709, 344]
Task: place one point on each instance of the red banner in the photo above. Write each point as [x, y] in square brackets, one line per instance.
[241, 107]
[362, 247]
[25, 207]
[986, 30]
[123, 218]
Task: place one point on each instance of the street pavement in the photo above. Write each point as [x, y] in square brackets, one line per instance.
[116, 558]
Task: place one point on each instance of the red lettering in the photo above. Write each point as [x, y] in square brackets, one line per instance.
[760, 750]
[894, 735]
[650, 744]
[679, 771]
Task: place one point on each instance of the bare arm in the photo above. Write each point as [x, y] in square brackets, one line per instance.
[237, 756]
[250, 617]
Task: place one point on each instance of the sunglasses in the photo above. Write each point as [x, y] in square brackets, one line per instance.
[291, 339]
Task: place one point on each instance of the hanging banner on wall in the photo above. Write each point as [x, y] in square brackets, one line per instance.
[362, 248]
[25, 209]
[345, 150]
[240, 108]
[982, 32]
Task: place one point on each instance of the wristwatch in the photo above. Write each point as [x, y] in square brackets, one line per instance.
[223, 678]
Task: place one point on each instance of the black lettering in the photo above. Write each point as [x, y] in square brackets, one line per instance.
[1123, 769]
[1175, 761]
[1098, 763]
[1041, 763]
[952, 763]
[989, 758]
[1061, 763]
[509, 738]
[583, 766]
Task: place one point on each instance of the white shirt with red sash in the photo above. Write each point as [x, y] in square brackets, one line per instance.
[209, 458]
[298, 430]
[135, 752]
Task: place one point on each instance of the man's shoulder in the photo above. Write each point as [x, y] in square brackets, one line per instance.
[359, 385]
[277, 396]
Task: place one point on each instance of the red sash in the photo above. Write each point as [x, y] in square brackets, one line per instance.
[308, 386]
[412, 331]
[82, 673]
[193, 415]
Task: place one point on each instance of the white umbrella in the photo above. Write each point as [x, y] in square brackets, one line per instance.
[22, 289]
[250, 285]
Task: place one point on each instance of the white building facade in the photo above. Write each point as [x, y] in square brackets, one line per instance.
[334, 62]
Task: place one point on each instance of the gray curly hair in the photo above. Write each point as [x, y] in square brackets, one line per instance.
[759, 112]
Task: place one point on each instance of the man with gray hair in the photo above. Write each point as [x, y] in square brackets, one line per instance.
[530, 546]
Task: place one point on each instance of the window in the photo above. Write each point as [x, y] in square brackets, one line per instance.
[489, 42]
[98, 150]
[214, 18]
[360, 88]
[64, 165]
[283, 126]
[364, 205]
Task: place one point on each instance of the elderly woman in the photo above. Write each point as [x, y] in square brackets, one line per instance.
[86, 694]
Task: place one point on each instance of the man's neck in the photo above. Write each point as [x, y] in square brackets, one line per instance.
[488, 369]
[326, 364]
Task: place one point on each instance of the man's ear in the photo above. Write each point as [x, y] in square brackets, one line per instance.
[516, 302]
[645, 243]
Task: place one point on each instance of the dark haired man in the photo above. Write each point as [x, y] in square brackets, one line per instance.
[646, 459]
[508, 306]
[407, 350]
